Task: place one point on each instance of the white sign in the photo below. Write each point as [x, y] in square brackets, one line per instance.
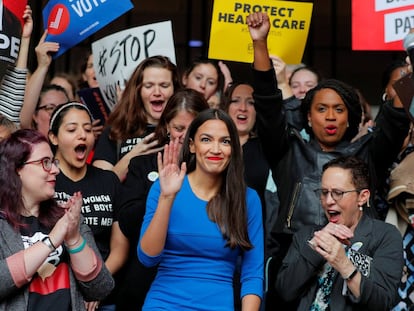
[397, 25]
[116, 56]
[383, 5]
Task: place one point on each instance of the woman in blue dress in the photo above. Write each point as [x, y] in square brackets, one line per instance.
[200, 216]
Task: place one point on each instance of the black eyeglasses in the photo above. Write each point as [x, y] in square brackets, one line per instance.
[47, 108]
[336, 194]
[46, 162]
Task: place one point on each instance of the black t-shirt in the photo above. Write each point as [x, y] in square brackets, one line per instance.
[50, 286]
[99, 190]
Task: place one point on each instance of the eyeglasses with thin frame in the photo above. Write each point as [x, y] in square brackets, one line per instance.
[46, 162]
[336, 194]
[47, 108]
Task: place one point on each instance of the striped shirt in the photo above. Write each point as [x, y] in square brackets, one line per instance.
[12, 93]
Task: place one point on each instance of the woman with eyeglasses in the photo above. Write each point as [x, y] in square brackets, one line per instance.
[50, 97]
[71, 138]
[48, 258]
[333, 112]
[352, 263]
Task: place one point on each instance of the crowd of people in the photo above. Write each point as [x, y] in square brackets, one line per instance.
[203, 191]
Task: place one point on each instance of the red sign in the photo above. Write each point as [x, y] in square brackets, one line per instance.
[381, 24]
[11, 21]
[16, 7]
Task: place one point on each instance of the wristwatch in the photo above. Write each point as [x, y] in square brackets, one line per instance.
[351, 276]
[48, 242]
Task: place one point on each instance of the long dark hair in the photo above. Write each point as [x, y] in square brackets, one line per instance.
[351, 100]
[187, 100]
[129, 118]
[228, 207]
[82, 84]
[14, 151]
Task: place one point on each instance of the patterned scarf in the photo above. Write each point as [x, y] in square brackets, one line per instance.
[322, 297]
[406, 289]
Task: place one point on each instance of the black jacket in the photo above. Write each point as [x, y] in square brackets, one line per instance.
[298, 277]
[297, 164]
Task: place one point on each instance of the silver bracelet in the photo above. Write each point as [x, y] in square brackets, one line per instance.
[48, 242]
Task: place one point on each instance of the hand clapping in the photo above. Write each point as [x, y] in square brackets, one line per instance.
[67, 227]
[329, 243]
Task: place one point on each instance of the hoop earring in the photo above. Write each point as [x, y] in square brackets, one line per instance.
[309, 124]
[384, 97]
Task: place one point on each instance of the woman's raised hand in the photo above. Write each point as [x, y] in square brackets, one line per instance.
[259, 25]
[171, 175]
[280, 69]
[28, 22]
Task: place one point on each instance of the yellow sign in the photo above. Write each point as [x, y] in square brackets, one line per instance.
[230, 38]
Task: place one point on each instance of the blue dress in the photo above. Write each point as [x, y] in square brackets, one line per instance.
[195, 268]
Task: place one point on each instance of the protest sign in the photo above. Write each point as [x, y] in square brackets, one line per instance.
[381, 24]
[116, 56]
[69, 22]
[92, 97]
[229, 34]
[15, 7]
[11, 14]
